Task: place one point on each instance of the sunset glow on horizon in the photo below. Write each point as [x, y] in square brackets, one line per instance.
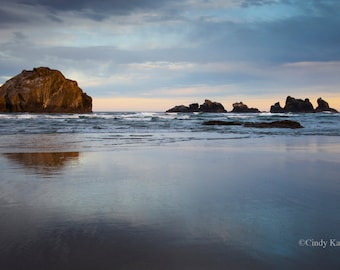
[161, 105]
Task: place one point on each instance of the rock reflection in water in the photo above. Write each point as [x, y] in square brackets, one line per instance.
[43, 163]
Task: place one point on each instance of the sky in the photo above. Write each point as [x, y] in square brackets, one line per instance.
[146, 55]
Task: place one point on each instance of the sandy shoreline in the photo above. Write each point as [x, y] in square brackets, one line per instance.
[204, 204]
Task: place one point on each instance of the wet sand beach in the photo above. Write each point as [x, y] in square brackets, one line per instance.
[260, 203]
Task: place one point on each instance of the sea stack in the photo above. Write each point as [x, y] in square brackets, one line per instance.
[324, 107]
[240, 107]
[296, 105]
[43, 90]
[293, 105]
[208, 106]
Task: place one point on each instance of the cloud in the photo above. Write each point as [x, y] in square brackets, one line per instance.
[95, 10]
[249, 3]
[165, 48]
[8, 17]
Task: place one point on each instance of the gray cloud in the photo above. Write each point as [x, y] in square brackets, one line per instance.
[249, 3]
[8, 17]
[102, 40]
[96, 10]
[299, 38]
[118, 5]
[316, 7]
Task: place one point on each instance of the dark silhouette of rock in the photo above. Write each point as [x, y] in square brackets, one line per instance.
[293, 105]
[207, 106]
[276, 108]
[194, 107]
[43, 90]
[274, 124]
[222, 123]
[324, 107]
[239, 107]
[298, 105]
[213, 107]
[180, 109]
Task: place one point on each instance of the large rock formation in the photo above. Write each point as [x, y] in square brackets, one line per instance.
[324, 107]
[298, 105]
[293, 105]
[43, 90]
[301, 106]
[239, 107]
[213, 107]
[207, 106]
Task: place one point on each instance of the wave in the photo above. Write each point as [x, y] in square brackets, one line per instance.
[163, 123]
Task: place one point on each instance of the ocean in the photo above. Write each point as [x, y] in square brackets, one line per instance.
[151, 190]
[109, 130]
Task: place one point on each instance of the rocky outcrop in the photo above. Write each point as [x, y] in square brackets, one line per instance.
[294, 105]
[239, 107]
[298, 105]
[222, 123]
[275, 124]
[43, 90]
[207, 106]
[180, 109]
[184, 109]
[276, 108]
[324, 107]
[213, 107]
[194, 107]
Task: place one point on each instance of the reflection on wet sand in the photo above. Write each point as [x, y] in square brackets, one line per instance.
[43, 163]
[232, 205]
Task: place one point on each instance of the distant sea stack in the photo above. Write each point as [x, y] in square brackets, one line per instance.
[324, 107]
[207, 106]
[298, 105]
[43, 90]
[240, 107]
[294, 105]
